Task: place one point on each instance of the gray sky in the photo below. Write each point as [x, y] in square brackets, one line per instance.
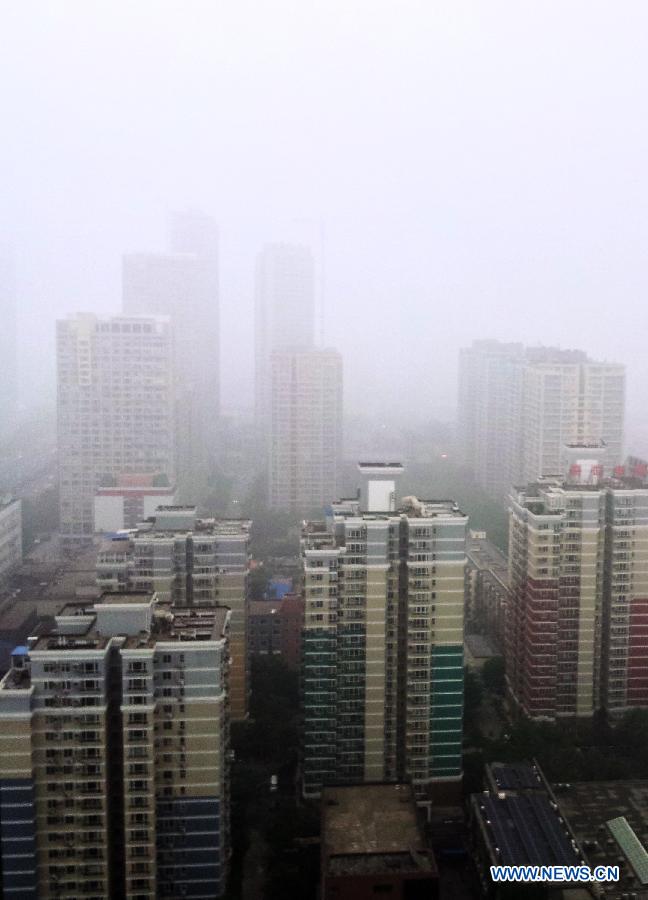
[481, 169]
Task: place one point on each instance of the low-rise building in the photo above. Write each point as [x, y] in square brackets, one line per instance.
[517, 822]
[126, 500]
[276, 628]
[487, 587]
[373, 844]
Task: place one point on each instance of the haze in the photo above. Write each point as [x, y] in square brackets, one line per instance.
[479, 170]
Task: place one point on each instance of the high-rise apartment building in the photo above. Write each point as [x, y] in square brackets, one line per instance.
[383, 640]
[284, 315]
[115, 409]
[183, 284]
[569, 399]
[114, 757]
[305, 444]
[189, 562]
[489, 428]
[8, 341]
[518, 408]
[577, 619]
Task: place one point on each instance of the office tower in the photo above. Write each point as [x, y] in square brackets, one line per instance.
[569, 399]
[305, 444]
[183, 284]
[11, 545]
[489, 431]
[383, 640]
[189, 562]
[8, 339]
[519, 407]
[577, 617]
[115, 409]
[284, 313]
[115, 754]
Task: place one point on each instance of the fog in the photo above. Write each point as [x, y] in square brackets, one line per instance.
[460, 169]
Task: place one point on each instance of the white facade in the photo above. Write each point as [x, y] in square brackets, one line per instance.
[11, 550]
[115, 408]
[570, 403]
[518, 408]
[119, 508]
[305, 444]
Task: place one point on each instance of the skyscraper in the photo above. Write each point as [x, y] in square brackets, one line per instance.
[518, 408]
[569, 399]
[115, 408]
[183, 284]
[305, 441]
[8, 339]
[383, 640]
[114, 770]
[577, 618]
[189, 562]
[284, 313]
[489, 412]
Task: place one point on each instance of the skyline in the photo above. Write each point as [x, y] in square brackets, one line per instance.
[461, 159]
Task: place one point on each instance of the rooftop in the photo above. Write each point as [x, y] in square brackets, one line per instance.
[520, 821]
[93, 629]
[590, 807]
[372, 828]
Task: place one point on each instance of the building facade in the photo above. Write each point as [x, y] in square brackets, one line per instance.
[11, 544]
[305, 445]
[383, 643]
[577, 629]
[569, 399]
[115, 409]
[276, 628]
[189, 562]
[487, 588]
[284, 315]
[125, 501]
[115, 754]
[490, 396]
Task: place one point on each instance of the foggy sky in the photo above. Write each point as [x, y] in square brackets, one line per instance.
[480, 169]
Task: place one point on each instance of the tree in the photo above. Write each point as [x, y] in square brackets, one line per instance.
[493, 675]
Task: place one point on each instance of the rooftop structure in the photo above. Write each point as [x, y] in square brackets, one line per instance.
[372, 840]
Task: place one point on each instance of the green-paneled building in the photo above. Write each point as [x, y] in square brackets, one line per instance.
[383, 638]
